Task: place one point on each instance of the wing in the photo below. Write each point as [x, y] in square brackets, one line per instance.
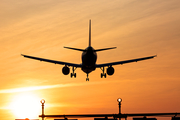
[124, 62]
[52, 61]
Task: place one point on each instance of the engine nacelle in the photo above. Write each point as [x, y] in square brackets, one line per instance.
[65, 70]
[110, 70]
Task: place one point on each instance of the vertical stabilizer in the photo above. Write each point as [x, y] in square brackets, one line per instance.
[89, 32]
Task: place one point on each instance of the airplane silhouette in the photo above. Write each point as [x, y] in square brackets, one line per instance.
[89, 58]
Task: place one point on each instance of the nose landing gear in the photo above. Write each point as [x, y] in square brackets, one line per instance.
[87, 79]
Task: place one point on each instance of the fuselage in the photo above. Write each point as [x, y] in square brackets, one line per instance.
[89, 58]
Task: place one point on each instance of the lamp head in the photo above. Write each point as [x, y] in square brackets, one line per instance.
[119, 100]
[42, 101]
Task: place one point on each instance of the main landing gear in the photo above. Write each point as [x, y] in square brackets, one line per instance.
[73, 74]
[103, 74]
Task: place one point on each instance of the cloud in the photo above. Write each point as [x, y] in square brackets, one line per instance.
[33, 88]
[24, 89]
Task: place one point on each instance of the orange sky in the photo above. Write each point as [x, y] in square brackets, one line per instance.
[138, 28]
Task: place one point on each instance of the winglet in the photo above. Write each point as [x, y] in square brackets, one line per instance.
[154, 56]
[90, 32]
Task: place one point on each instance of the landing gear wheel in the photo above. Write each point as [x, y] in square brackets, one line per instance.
[74, 75]
[101, 75]
[105, 75]
[71, 75]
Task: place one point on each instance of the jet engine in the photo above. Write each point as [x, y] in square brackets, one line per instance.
[110, 70]
[65, 70]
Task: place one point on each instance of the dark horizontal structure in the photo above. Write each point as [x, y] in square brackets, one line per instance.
[112, 115]
[26, 119]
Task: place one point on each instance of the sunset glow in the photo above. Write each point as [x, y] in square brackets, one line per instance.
[41, 28]
[25, 106]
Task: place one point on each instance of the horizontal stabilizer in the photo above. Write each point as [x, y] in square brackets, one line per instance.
[105, 49]
[75, 48]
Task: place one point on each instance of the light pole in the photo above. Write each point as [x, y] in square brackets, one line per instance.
[119, 103]
[42, 102]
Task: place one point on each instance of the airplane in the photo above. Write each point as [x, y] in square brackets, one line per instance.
[89, 58]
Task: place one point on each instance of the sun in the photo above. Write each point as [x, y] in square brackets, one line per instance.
[26, 105]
